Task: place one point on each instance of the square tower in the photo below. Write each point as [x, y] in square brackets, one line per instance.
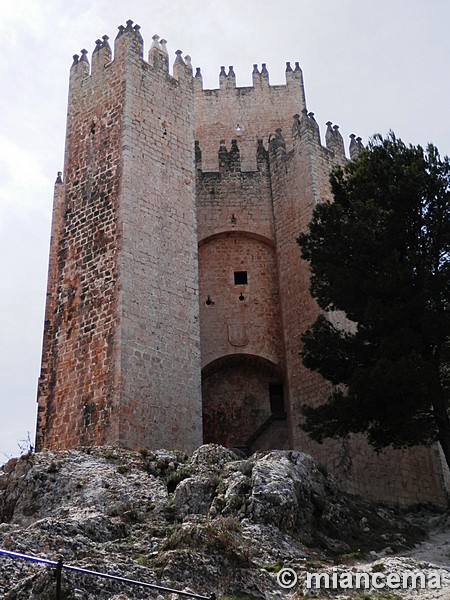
[121, 355]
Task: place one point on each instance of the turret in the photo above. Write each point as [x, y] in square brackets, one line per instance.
[128, 40]
[80, 66]
[198, 80]
[129, 154]
[277, 144]
[102, 54]
[231, 77]
[158, 56]
[334, 140]
[294, 76]
[356, 146]
[305, 126]
[260, 78]
[182, 69]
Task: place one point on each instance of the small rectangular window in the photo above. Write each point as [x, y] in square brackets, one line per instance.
[240, 278]
[276, 398]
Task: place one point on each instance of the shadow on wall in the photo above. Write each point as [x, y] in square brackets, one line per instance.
[243, 403]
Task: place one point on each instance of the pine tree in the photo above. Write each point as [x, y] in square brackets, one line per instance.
[381, 254]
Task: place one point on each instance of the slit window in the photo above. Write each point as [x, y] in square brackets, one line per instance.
[240, 278]
[276, 398]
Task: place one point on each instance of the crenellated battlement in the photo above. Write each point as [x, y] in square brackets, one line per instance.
[245, 113]
[356, 146]
[128, 39]
[260, 79]
[176, 288]
[158, 56]
[102, 54]
[305, 126]
[253, 112]
[229, 161]
[128, 45]
[304, 129]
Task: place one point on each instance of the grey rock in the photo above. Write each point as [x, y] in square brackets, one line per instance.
[214, 522]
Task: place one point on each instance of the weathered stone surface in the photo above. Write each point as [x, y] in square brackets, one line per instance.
[121, 357]
[212, 522]
[169, 192]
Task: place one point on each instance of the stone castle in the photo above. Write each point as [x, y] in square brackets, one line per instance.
[176, 292]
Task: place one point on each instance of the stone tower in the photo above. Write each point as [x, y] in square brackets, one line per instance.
[177, 295]
[121, 356]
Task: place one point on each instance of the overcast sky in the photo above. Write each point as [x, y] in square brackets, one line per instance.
[369, 66]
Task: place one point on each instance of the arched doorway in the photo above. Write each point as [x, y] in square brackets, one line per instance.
[243, 403]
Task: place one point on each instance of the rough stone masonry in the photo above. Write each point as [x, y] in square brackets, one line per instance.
[176, 292]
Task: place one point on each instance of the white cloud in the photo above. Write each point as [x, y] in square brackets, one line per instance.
[23, 184]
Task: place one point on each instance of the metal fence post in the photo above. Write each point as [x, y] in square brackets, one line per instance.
[59, 567]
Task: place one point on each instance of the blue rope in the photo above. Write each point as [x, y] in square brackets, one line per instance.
[54, 563]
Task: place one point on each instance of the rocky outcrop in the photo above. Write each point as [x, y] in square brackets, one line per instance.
[213, 522]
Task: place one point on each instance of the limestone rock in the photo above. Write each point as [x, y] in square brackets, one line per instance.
[215, 522]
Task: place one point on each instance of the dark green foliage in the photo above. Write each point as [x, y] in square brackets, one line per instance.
[381, 254]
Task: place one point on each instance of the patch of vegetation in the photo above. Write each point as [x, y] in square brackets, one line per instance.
[181, 456]
[220, 485]
[131, 516]
[350, 557]
[379, 567]
[160, 530]
[53, 467]
[26, 447]
[244, 466]
[177, 477]
[143, 452]
[162, 465]
[236, 502]
[349, 525]
[110, 453]
[221, 535]
[143, 560]
[171, 513]
[273, 568]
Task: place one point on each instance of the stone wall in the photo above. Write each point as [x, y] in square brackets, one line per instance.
[160, 339]
[245, 113]
[175, 272]
[241, 335]
[78, 391]
[408, 476]
[121, 344]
